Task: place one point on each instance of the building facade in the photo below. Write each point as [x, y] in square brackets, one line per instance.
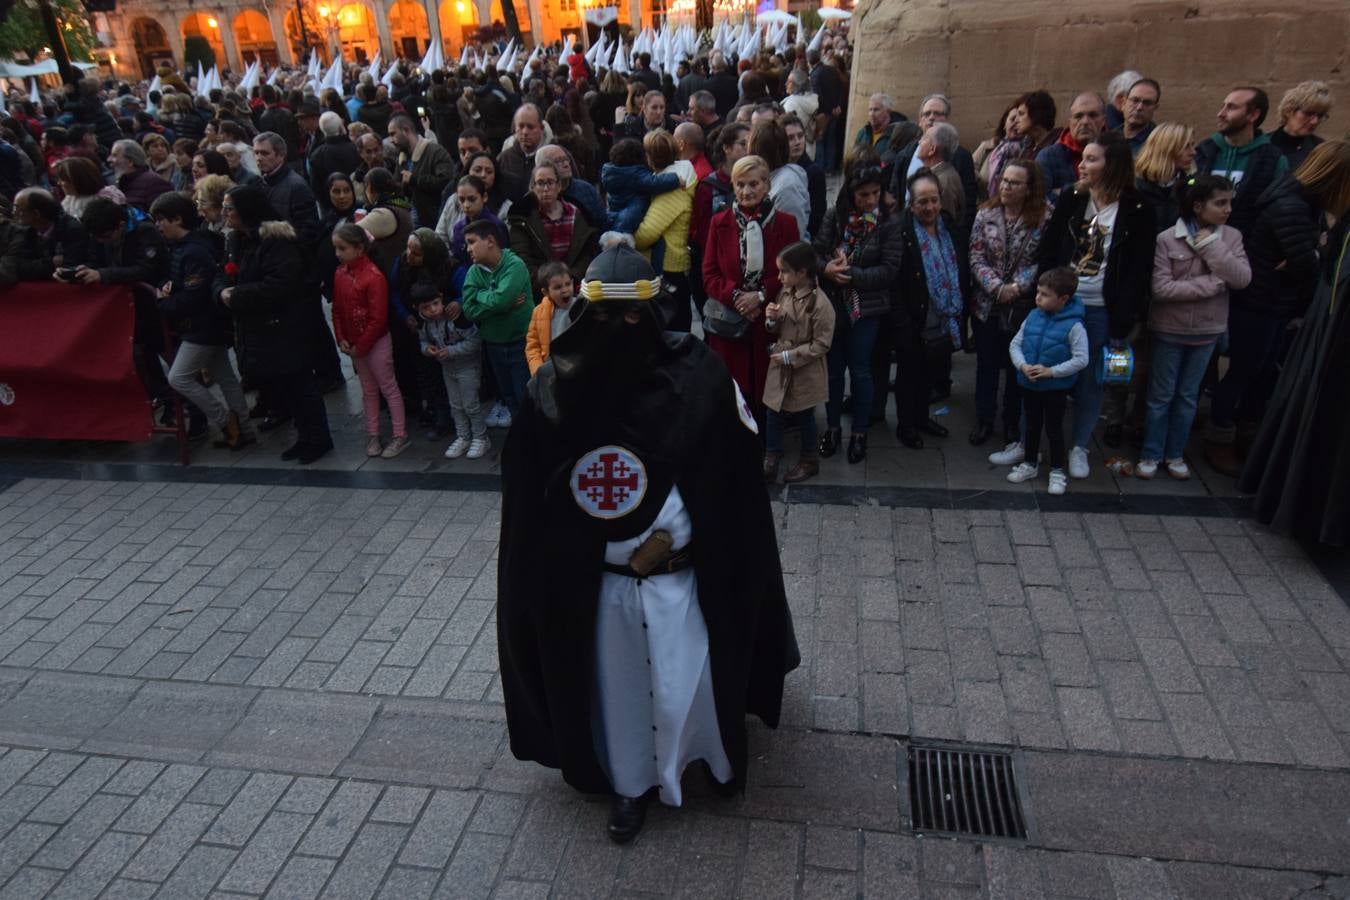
[142, 34]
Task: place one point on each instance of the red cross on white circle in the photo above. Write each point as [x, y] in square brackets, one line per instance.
[609, 482]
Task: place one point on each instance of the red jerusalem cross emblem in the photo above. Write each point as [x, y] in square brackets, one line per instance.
[609, 482]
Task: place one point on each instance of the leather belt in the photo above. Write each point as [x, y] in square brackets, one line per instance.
[676, 562]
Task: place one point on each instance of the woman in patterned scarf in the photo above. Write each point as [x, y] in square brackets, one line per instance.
[934, 282]
[740, 277]
[860, 244]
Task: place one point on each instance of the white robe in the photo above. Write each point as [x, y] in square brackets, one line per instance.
[650, 634]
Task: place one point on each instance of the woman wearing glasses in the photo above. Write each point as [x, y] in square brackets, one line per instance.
[1302, 108]
[262, 284]
[1003, 247]
[546, 227]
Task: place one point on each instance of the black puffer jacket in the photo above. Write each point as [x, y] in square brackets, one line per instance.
[912, 309]
[1129, 262]
[269, 298]
[1285, 231]
[1163, 200]
[877, 267]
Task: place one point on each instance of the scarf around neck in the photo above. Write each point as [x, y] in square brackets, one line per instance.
[751, 228]
[941, 270]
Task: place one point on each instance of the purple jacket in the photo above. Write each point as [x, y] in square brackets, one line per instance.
[142, 187]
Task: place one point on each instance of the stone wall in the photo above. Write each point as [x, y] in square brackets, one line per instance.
[984, 53]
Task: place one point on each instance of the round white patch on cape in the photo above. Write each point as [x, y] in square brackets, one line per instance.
[609, 482]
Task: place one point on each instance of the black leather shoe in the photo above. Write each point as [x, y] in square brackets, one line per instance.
[829, 442]
[857, 448]
[723, 789]
[293, 451]
[910, 437]
[273, 422]
[313, 452]
[932, 427]
[626, 815]
[258, 412]
[981, 433]
[1114, 436]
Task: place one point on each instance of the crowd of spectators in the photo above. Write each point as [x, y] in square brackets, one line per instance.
[438, 213]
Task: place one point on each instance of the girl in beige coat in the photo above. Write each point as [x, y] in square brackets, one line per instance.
[801, 323]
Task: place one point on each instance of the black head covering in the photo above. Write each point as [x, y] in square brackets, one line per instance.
[603, 358]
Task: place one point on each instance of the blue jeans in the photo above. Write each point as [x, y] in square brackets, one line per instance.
[776, 422]
[511, 371]
[991, 361]
[1173, 389]
[1088, 392]
[852, 349]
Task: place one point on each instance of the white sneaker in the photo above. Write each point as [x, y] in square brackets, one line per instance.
[1078, 464]
[1146, 469]
[457, 448]
[494, 415]
[1010, 455]
[1058, 483]
[504, 420]
[479, 447]
[1178, 469]
[1023, 471]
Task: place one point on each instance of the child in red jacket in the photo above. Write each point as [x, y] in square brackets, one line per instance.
[361, 324]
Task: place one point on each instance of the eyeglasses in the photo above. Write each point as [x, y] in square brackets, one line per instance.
[546, 184]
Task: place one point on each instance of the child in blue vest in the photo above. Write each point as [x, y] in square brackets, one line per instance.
[1049, 351]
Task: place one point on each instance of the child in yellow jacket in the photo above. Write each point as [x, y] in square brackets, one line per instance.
[550, 317]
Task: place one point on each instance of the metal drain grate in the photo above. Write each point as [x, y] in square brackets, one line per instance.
[964, 792]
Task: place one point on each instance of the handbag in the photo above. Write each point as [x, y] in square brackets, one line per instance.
[1117, 365]
[724, 321]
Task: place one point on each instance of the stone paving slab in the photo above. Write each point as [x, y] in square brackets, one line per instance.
[1153, 635]
[254, 834]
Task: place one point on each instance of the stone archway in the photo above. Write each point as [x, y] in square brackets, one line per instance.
[409, 29]
[151, 44]
[253, 37]
[459, 20]
[357, 31]
[205, 26]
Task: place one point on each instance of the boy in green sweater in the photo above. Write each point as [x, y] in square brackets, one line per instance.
[496, 289]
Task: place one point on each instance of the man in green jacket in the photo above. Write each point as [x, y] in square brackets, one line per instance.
[496, 297]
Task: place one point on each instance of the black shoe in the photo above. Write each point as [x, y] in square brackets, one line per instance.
[272, 422]
[258, 412]
[723, 789]
[910, 437]
[293, 451]
[439, 432]
[332, 384]
[981, 433]
[312, 452]
[939, 393]
[857, 448]
[829, 442]
[877, 418]
[1114, 436]
[197, 430]
[932, 427]
[626, 815]
[167, 419]
[1012, 433]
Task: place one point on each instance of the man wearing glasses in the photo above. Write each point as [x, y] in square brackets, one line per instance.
[1141, 105]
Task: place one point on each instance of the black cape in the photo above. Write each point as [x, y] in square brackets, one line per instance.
[1297, 465]
[682, 420]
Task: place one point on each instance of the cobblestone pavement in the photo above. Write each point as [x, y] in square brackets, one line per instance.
[225, 690]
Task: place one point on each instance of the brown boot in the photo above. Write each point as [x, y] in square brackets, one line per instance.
[771, 461]
[807, 467]
[1223, 458]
